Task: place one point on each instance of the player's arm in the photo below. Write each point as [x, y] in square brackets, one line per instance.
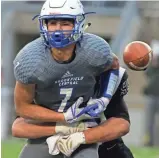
[112, 77]
[23, 129]
[110, 66]
[25, 67]
[114, 127]
[23, 97]
[111, 129]
[118, 122]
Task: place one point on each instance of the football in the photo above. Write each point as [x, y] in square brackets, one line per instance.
[137, 55]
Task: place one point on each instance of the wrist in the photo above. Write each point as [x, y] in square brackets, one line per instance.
[105, 100]
[58, 128]
[65, 117]
[62, 117]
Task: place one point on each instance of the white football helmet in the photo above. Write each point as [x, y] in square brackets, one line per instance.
[72, 9]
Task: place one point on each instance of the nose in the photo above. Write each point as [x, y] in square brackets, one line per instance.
[58, 26]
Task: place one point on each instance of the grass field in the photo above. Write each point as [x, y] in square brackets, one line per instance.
[11, 149]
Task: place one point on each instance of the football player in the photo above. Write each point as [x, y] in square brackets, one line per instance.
[110, 134]
[56, 73]
[58, 68]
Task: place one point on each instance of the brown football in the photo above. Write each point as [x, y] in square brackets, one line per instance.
[137, 55]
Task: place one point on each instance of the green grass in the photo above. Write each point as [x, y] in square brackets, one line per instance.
[11, 149]
[145, 152]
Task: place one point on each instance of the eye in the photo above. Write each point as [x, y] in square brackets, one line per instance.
[66, 23]
[52, 22]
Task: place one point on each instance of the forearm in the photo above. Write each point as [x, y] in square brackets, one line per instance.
[109, 130]
[24, 95]
[22, 129]
[36, 112]
[110, 78]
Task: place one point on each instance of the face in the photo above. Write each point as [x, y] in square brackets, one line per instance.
[60, 24]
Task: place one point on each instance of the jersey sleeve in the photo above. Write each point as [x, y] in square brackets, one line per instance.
[117, 106]
[24, 67]
[104, 55]
[100, 53]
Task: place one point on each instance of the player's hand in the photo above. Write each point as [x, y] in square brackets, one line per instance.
[52, 144]
[62, 130]
[68, 144]
[101, 105]
[75, 114]
[67, 129]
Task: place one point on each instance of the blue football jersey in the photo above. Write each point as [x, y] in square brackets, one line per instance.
[59, 85]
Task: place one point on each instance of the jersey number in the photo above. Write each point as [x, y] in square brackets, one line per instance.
[67, 92]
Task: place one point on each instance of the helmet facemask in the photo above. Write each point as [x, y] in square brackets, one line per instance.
[62, 38]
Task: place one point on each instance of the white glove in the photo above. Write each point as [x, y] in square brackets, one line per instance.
[101, 103]
[52, 144]
[75, 114]
[66, 129]
[68, 144]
